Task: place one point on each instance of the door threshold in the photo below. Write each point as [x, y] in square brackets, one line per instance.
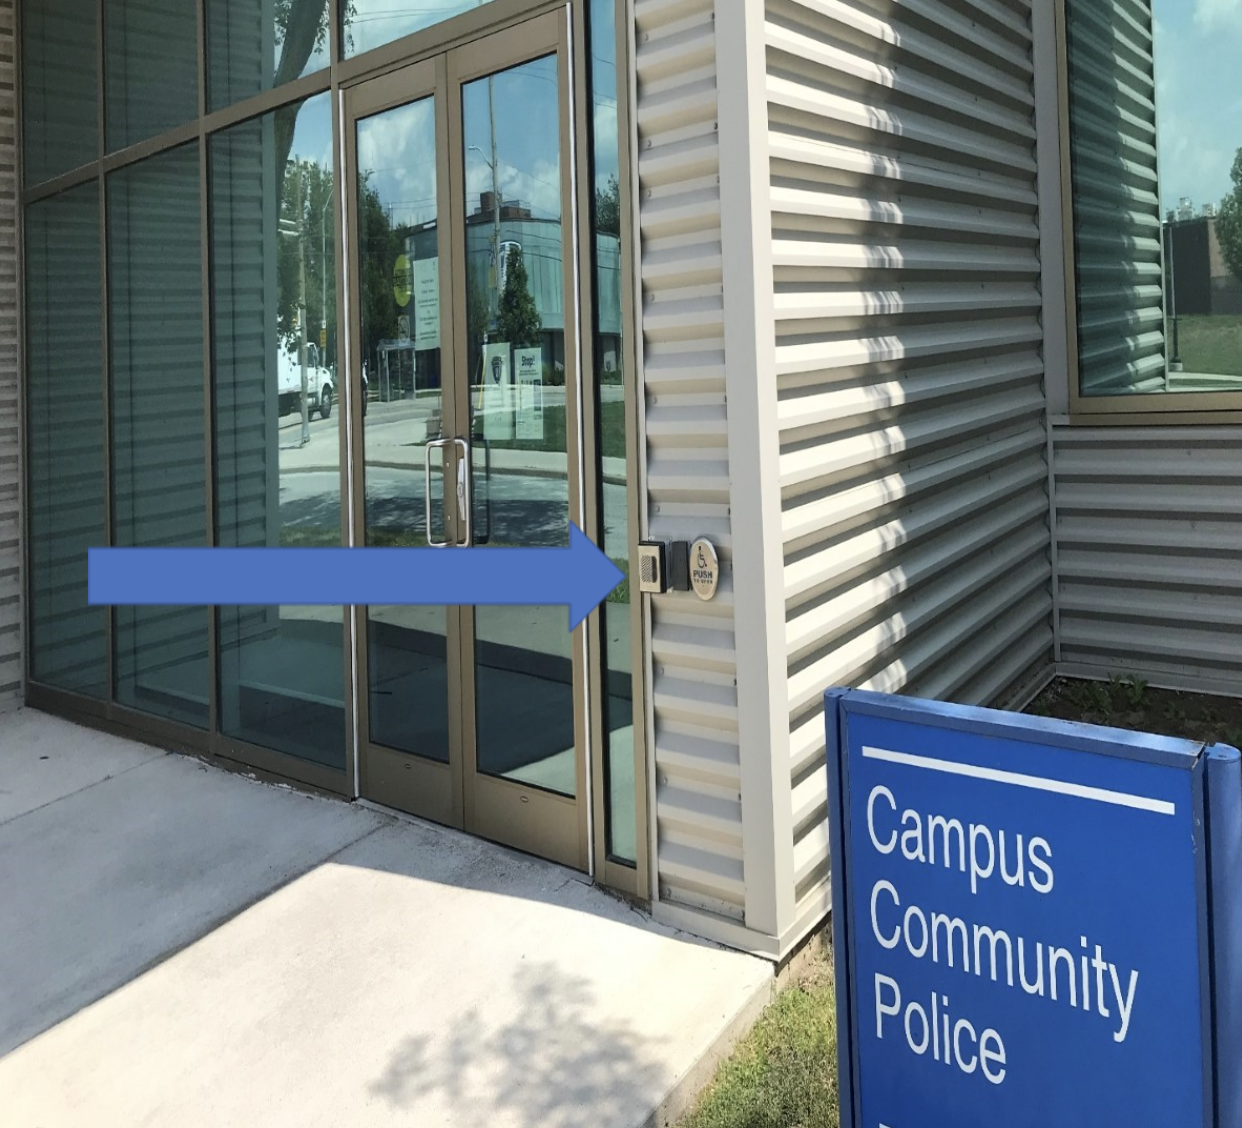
[577, 875]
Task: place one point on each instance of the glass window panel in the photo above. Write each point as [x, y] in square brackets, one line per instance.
[372, 23]
[1156, 159]
[515, 311]
[150, 68]
[256, 47]
[609, 384]
[59, 88]
[278, 476]
[158, 472]
[65, 447]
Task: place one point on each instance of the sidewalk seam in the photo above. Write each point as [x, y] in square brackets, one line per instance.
[87, 787]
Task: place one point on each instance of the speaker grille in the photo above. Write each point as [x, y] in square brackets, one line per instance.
[649, 570]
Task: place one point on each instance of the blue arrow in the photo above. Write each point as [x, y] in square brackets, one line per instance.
[579, 576]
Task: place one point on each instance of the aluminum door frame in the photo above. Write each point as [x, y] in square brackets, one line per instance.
[457, 794]
[412, 783]
[541, 822]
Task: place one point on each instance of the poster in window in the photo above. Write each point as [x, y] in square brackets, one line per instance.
[528, 365]
[497, 391]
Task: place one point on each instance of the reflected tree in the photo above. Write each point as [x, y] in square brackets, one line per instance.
[478, 317]
[306, 206]
[301, 30]
[381, 243]
[1229, 221]
[608, 208]
[517, 321]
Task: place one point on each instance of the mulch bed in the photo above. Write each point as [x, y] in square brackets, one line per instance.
[1129, 704]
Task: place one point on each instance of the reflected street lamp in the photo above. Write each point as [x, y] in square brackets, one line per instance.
[1175, 361]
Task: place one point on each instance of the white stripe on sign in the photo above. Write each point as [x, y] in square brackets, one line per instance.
[1017, 779]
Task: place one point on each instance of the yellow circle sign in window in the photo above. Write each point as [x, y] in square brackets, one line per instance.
[402, 281]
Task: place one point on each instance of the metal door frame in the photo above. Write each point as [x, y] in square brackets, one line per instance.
[412, 783]
[458, 794]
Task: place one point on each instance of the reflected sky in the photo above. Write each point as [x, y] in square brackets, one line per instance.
[1199, 98]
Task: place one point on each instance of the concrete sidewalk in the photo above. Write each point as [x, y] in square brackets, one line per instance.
[182, 946]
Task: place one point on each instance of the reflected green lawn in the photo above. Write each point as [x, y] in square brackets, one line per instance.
[1210, 345]
[612, 428]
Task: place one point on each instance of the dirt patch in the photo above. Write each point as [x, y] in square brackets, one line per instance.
[1128, 704]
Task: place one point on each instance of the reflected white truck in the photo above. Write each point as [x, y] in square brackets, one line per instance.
[320, 383]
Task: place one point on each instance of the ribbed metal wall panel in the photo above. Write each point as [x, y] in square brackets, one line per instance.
[10, 377]
[908, 350]
[1149, 552]
[1112, 109]
[694, 692]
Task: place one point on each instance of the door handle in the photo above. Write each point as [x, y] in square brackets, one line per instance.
[438, 444]
[465, 500]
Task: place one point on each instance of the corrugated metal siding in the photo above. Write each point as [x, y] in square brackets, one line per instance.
[1149, 552]
[10, 378]
[913, 446]
[694, 693]
[1112, 107]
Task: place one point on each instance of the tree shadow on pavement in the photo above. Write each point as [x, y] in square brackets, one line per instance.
[547, 1065]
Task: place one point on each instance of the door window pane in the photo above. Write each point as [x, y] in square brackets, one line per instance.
[150, 68]
[256, 47]
[65, 448]
[59, 88]
[609, 387]
[278, 478]
[399, 270]
[372, 23]
[521, 412]
[158, 469]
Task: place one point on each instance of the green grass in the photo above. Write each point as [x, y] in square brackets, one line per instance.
[621, 593]
[310, 537]
[784, 1074]
[1211, 345]
[612, 428]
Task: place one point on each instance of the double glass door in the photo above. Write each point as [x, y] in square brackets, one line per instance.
[463, 354]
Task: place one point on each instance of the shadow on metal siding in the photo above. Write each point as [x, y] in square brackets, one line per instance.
[694, 691]
[913, 448]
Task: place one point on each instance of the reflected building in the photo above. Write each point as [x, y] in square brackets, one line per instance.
[405, 363]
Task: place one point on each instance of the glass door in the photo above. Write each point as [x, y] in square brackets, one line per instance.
[466, 421]
[401, 376]
[514, 249]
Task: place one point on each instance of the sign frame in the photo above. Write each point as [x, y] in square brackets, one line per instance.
[1217, 811]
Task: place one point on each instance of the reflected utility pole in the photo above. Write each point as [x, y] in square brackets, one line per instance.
[1175, 361]
[323, 274]
[491, 113]
[495, 167]
[298, 230]
[302, 305]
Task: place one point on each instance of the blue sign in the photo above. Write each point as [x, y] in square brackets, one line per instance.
[1035, 922]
